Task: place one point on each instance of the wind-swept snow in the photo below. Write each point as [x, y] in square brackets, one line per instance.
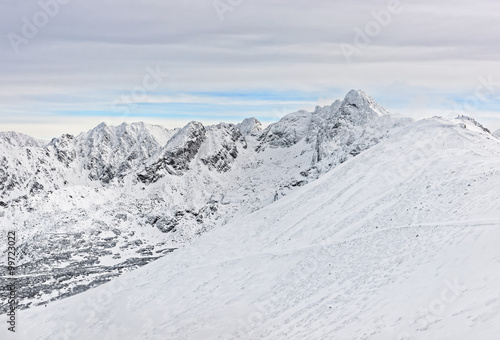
[400, 242]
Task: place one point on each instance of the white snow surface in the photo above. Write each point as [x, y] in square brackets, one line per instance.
[399, 242]
[497, 134]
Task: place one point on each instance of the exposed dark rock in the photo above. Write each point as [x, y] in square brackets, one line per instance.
[177, 154]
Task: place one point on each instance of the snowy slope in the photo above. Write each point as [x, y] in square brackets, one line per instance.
[497, 134]
[400, 242]
[93, 206]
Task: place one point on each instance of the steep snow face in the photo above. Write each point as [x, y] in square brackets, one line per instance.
[288, 131]
[400, 242]
[497, 134]
[115, 198]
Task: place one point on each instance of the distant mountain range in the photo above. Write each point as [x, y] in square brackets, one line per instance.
[91, 207]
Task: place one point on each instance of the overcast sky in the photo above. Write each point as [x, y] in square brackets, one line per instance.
[170, 62]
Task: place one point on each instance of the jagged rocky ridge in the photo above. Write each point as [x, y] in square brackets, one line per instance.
[91, 206]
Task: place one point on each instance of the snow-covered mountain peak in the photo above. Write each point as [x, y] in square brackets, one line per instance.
[108, 152]
[137, 130]
[250, 126]
[189, 133]
[335, 132]
[16, 139]
[358, 107]
[357, 97]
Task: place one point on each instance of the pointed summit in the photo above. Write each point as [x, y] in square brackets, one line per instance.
[250, 126]
[356, 96]
[356, 112]
[360, 107]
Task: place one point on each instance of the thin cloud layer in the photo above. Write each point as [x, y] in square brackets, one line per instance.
[64, 60]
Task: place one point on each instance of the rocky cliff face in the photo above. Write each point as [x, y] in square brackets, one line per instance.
[336, 132]
[174, 158]
[222, 146]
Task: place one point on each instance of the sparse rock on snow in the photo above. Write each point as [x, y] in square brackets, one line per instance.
[471, 121]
